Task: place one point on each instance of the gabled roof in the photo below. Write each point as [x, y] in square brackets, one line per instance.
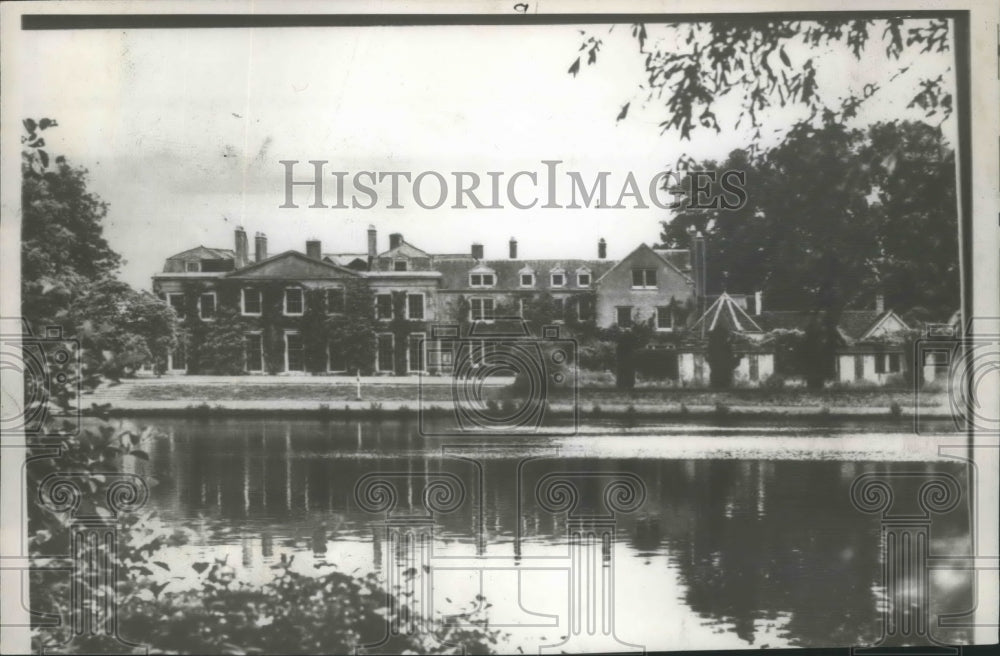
[660, 254]
[405, 249]
[292, 265]
[204, 253]
[886, 319]
[728, 311]
[679, 257]
[345, 259]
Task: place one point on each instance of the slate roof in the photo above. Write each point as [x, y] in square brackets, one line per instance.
[344, 259]
[729, 312]
[405, 249]
[204, 253]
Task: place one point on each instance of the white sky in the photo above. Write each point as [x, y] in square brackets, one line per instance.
[182, 130]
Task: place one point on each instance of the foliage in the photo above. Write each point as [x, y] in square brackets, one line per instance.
[694, 68]
[721, 356]
[864, 204]
[818, 348]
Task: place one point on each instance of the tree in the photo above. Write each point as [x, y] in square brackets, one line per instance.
[722, 359]
[694, 67]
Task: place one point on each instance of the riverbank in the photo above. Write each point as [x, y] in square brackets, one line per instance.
[381, 396]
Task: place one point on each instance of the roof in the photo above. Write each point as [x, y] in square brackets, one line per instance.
[204, 253]
[679, 257]
[405, 249]
[855, 323]
[344, 259]
[670, 256]
[455, 272]
[312, 267]
[728, 311]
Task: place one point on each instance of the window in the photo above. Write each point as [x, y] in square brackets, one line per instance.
[294, 353]
[383, 306]
[336, 359]
[383, 352]
[887, 363]
[415, 352]
[754, 366]
[558, 279]
[177, 358]
[176, 301]
[643, 278]
[527, 280]
[335, 301]
[415, 306]
[583, 279]
[206, 306]
[880, 363]
[251, 302]
[859, 367]
[253, 352]
[481, 309]
[559, 309]
[399, 265]
[192, 267]
[624, 315]
[664, 318]
[894, 362]
[481, 280]
[294, 302]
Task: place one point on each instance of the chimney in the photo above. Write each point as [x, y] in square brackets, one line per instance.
[879, 303]
[260, 247]
[242, 248]
[477, 251]
[513, 248]
[698, 264]
[602, 249]
[758, 302]
[395, 240]
[314, 249]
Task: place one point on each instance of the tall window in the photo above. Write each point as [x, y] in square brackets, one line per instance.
[559, 308]
[176, 301]
[294, 353]
[253, 352]
[206, 306]
[415, 307]
[415, 352]
[754, 366]
[336, 358]
[294, 301]
[624, 315]
[481, 309]
[384, 352]
[251, 302]
[383, 306]
[643, 278]
[335, 301]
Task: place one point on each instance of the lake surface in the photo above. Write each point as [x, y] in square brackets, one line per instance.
[659, 536]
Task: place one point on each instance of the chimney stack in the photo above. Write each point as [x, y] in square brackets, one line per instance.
[758, 302]
[242, 248]
[513, 248]
[879, 303]
[602, 249]
[477, 251]
[698, 271]
[260, 247]
[395, 240]
[372, 245]
[314, 249]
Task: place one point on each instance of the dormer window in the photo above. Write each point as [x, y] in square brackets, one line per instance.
[482, 280]
[526, 276]
[583, 277]
[557, 278]
[399, 265]
[193, 267]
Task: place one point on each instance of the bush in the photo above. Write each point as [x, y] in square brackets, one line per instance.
[773, 382]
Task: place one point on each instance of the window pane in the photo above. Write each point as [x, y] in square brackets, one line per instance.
[293, 352]
[488, 309]
[650, 277]
[335, 301]
[526, 280]
[385, 353]
[254, 357]
[399, 265]
[557, 280]
[293, 301]
[487, 279]
[416, 352]
[416, 306]
[207, 306]
[584, 279]
[251, 301]
[637, 278]
[477, 280]
[624, 316]
[663, 317]
[177, 303]
[894, 362]
[383, 306]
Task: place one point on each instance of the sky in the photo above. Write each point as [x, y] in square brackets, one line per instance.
[182, 131]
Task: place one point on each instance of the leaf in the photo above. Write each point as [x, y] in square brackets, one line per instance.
[140, 454]
[29, 125]
[160, 563]
[44, 156]
[46, 123]
[784, 58]
[575, 68]
[157, 588]
[624, 111]
[199, 567]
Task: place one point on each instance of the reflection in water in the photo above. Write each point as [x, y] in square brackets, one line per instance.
[759, 551]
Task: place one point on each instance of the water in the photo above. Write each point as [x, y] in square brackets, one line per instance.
[739, 536]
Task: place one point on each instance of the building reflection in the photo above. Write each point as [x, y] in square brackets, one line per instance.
[751, 541]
